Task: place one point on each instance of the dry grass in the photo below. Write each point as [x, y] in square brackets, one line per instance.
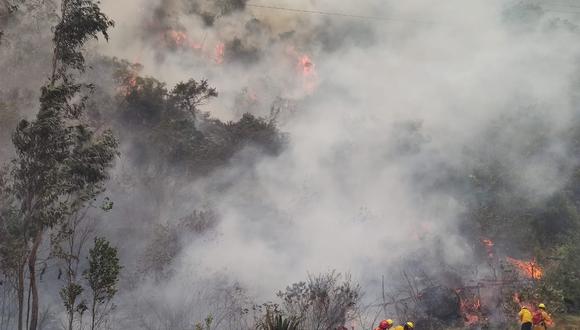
[568, 323]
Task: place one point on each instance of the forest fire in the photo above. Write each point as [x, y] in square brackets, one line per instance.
[519, 302]
[180, 39]
[305, 64]
[307, 68]
[219, 52]
[529, 269]
[128, 79]
[488, 246]
[127, 85]
[470, 309]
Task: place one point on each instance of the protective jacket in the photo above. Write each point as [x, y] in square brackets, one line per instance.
[525, 316]
[546, 320]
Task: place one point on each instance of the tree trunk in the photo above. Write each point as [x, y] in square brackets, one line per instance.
[33, 287]
[28, 308]
[93, 310]
[20, 294]
[71, 317]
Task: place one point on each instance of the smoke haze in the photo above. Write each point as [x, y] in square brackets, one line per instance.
[387, 119]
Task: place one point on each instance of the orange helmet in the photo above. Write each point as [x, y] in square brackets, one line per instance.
[386, 324]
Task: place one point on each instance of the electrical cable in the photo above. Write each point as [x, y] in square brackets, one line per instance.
[318, 12]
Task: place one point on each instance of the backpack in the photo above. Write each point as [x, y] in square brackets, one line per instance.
[537, 318]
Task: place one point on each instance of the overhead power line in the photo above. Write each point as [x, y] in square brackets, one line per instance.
[387, 19]
[325, 13]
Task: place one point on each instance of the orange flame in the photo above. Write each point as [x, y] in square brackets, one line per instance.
[219, 52]
[470, 309]
[529, 269]
[128, 81]
[306, 65]
[308, 70]
[488, 246]
[128, 84]
[517, 299]
[180, 39]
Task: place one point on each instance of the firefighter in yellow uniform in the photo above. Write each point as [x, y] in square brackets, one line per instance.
[525, 317]
[385, 325]
[407, 326]
[541, 318]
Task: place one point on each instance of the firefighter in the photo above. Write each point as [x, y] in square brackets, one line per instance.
[525, 317]
[385, 324]
[407, 326]
[541, 318]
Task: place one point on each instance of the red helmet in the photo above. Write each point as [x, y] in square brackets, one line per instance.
[386, 324]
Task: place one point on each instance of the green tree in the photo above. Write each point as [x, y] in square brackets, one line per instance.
[13, 251]
[60, 164]
[102, 277]
[274, 320]
[68, 245]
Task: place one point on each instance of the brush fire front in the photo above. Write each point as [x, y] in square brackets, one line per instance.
[481, 298]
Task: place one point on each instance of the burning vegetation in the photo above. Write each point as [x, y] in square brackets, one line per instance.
[529, 269]
[170, 142]
[179, 39]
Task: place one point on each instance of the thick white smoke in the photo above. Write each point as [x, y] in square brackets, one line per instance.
[349, 192]
[396, 104]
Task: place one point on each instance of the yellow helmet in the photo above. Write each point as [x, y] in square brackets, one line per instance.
[390, 322]
[542, 306]
[410, 325]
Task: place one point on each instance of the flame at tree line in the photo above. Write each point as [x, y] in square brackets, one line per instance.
[305, 66]
[529, 269]
[181, 39]
[470, 304]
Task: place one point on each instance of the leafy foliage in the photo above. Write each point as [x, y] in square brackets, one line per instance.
[60, 164]
[167, 242]
[102, 277]
[170, 132]
[322, 302]
[81, 20]
[103, 272]
[273, 321]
